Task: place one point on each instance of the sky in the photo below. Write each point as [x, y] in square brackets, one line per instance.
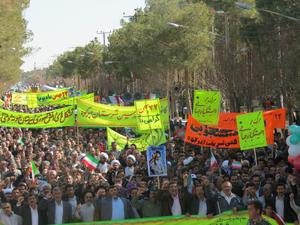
[61, 25]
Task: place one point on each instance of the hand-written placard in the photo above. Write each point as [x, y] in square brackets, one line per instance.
[207, 107]
[251, 129]
[148, 114]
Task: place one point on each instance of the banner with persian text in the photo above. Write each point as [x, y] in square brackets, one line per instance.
[63, 117]
[155, 137]
[73, 100]
[45, 98]
[93, 114]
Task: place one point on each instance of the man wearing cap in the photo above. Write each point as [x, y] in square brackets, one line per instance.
[103, 165]
[129, 169]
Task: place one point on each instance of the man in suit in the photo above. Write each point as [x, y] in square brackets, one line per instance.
[7, 216]
[281, 203]
[59, 211]
[172, 202]
[30, 212]
[114, 207]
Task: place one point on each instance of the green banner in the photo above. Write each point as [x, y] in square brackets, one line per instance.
[207, 107]
[56, 118]
[251, 129]
[99, 115]
[19, 98]
[230, 219]
[148, 114]
[1, 102]
[155, 138]
[49, 97]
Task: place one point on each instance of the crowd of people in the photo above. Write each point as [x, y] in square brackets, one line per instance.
[66, 191]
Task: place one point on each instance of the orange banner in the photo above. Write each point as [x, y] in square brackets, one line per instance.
[218, 137]
[279, 117]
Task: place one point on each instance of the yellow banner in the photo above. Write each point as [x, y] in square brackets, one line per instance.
[63, 117]
[46, 98]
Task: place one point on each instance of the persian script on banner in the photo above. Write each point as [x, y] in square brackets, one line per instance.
[218, 137]
[148, 114]
[251, 130]
[207, 107]
[46, 98]
[56, 118]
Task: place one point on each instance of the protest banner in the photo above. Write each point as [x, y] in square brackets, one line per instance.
[279, 117]
[251, 130]
[205, 136]
[157, 161]
[49, 97]
[99, 115]
[73, 100]
[32, 100]
[56, 118]
[148, 114]
[207, 106]
[1, 102]
[238, 218]
[19, 98]
[156, 137]
[215, 137]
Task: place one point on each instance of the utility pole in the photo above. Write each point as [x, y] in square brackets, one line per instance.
[104, 33]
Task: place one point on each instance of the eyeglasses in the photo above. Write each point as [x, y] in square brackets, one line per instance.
[89, 197]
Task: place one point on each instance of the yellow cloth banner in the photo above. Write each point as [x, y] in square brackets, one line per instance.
[148, 114]
[56, 118]
[73, 100]
[19, 98]
[1, 102]
[45, 98]
[154, 138]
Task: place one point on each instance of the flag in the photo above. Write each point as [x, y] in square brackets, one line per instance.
[213, 163]
[236, 165]
[34, 171]
[90, 161]
[20, 141]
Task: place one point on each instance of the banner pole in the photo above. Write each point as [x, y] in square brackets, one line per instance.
[255, 156]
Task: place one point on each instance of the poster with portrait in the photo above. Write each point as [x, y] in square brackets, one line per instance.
[157, 161]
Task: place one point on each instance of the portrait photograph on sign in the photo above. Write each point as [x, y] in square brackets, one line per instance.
[157, 161]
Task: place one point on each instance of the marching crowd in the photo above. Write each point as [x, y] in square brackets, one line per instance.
[66, 191]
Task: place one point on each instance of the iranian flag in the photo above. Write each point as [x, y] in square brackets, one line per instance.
[90, 161]
[213, 163]
[33, 170]
[236, 165]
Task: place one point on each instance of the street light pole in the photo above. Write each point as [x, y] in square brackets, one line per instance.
[104, 35]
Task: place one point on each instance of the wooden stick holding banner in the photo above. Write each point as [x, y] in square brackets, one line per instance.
[255, 156]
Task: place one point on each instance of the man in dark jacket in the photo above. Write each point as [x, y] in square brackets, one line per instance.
[172, 202]
[30, 213]
[59, 211]
[281, 203]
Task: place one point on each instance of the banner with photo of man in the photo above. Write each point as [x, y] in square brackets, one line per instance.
[157, 161]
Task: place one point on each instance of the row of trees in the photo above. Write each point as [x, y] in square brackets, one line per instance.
[13, 34]
[175, 46]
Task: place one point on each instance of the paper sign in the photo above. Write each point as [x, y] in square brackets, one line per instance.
[251, 129]
[207, 107]
[148, 114]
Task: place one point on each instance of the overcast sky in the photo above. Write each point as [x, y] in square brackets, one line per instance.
[59, 25]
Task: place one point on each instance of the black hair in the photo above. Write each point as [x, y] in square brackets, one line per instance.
[257, 205]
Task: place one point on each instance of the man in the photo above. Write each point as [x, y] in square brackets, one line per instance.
[71, 197]
[200, 205]
[147, 207]
[103, 165]
[250, 193]
[281, 203]
[226, 200]
[113, 171]
[30, 213]
[255, 210]
[129, 169]
[7, 217]
[114, 208]
[114, 150]
[86, 212]
[172, 203]
[59, 211]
